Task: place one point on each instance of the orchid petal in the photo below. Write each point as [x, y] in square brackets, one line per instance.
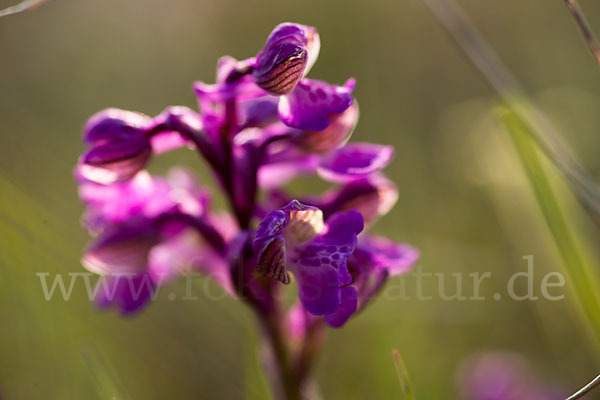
[128, 293]
[288, 54]
[311, 103]
[113, 123]
[335, 135]
[354, 161]
[115, 161]
[320, 264]
[396, 258]
[373, 197]
[123, 249]
[348, 306]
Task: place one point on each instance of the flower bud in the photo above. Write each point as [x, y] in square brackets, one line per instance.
[288, 54]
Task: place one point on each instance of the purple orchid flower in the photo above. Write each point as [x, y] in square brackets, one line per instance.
[496, 375]
[149, 230]
[296, 238]
[262, 124]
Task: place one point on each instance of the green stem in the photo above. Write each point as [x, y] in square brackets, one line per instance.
[579, 272]
[273, 331]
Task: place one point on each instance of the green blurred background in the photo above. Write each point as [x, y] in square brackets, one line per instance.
[463, 202]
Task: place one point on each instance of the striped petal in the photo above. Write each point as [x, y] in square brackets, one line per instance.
[114, 123]
[288, 54]
[293, 224]
[115, 161]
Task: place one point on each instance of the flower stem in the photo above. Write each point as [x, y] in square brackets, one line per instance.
[590, 40]
[289, 384]
[586, 389]
[311, 346]
[227, 132]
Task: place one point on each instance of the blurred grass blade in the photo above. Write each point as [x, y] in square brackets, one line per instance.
[25, 5]
[403, 376]
[587, 33]
[586, 389]
[255, 381]
[549, 139]
[582, 277]
[104, 376]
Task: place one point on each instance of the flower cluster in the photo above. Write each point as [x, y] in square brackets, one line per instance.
[262, 124]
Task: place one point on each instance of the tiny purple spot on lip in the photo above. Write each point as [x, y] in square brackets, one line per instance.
[321, 93]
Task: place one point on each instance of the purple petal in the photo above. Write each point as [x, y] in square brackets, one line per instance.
[244, 89]
[168, 126]
[354, 161]
[294, 223]
[288, 54]
[347, 307]
[270, 228]
[187, 253]
[189, 196]
[342, 230]
[115, 161]
[272, 260]
[113, 124]
[128, 293]
[230, 70]
[374, 260]
[122, 249]
[259, 112]
[247, 283]
[501, 376]
[373, 197]
[280, 67]
[335, 135]
[311, 103]
[167, 141]
[269, 245]
[396, 258]
[178, 126]
[275, 175]
[320, 264]
[142, 196]
[315, 253]
[318, 288]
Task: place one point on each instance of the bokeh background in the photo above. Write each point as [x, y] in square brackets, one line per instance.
[463, 202]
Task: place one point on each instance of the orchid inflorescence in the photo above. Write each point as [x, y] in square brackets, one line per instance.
[260, 125]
